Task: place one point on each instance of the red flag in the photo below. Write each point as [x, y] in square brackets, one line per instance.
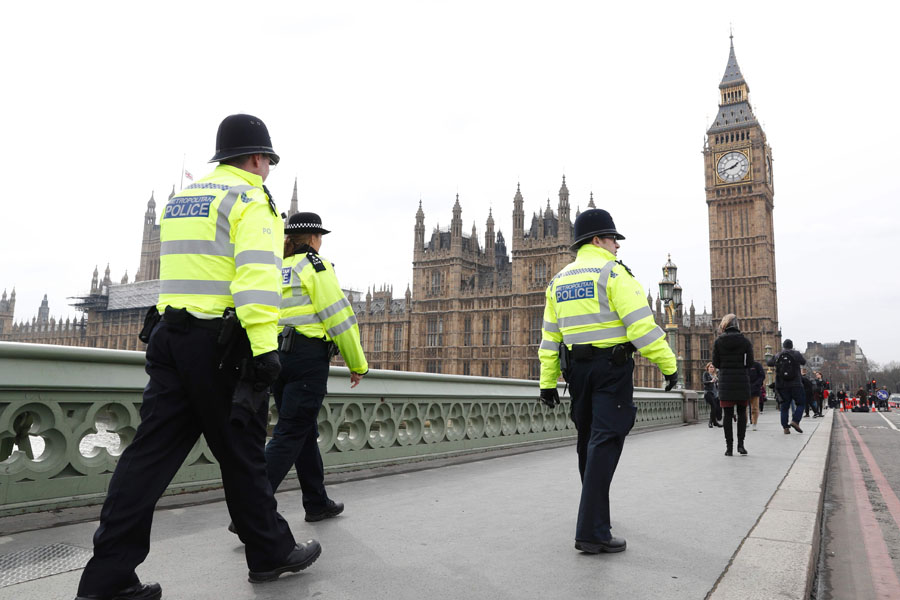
[188, 175]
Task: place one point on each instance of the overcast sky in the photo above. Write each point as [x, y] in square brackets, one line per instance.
[376, 105]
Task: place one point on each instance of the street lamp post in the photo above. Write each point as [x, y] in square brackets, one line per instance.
[670, 294]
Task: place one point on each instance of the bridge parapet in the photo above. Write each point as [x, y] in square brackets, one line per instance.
[55, 399]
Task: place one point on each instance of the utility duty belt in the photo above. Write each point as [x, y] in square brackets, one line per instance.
[618, 354]
[289, 340]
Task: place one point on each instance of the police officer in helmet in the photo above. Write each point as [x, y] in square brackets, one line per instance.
[596, 316]
[212, 331]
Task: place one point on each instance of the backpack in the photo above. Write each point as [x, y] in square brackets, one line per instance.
[786, 366]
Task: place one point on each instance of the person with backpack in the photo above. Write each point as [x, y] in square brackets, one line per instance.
[788, 385]
[733, 356]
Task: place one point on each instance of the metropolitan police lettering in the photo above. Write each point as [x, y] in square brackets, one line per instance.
[575, 291]
[189, 206]
[286, 275]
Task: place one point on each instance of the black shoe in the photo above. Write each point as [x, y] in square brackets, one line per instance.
[332, 509]
[711, 425]
[796, 426]
[741, 449]
[232, 528]
[728, 452]
[141, 591]
[611, 545]
[300, 557]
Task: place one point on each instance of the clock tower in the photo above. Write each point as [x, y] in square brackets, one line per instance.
[740, 189]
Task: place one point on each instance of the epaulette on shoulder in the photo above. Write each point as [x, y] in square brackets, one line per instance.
[315, 261]
[624, 266]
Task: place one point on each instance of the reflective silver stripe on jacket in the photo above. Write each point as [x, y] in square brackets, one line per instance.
[636, 315]
[551, 326]
[602, 296]
[548, 345]
[299, 320]
[597, 335]
[342, 327]
[648, 338]
[588, 319]
[262, 257]
[222, 245]
[334, 309]
[301, 300]
[257, 297]
[195, 286]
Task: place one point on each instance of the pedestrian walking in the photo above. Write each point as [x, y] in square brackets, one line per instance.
[219, 281]
[595, 317]
[711, 395]
[788, 387]
[316, 318]
[757, 375]
[733, 356]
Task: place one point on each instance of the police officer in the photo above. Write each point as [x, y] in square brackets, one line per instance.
[220, 257]
[316, 317]
[596, 316]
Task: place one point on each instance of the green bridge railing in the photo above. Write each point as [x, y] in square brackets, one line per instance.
[53, 397]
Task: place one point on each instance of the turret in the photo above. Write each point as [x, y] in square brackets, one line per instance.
[565, 223]
[44, 311]
[124, 278]
[294, 201]
[95, 283]
[518, 214]
[419, 244]
[489, 234]
[456, 225]
[591, 202]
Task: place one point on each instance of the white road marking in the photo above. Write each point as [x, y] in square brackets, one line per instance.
[894, 427]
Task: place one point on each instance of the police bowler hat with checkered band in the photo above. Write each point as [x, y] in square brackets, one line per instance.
[594, 222]
[240, 135]
[305, 222]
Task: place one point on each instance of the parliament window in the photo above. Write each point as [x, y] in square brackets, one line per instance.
[466, 368]
[433, 366]
[434, 334]
[534, 369]
[484, 369]
[504, 331]
[485, 331]
[534, 334]
[435, 282]
[504, 369]
[376, 343]
[467, 331]
[398, 338]
[704, 349]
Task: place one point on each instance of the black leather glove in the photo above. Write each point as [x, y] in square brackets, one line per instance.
[671, 380]
[266, 368]
[550, 397]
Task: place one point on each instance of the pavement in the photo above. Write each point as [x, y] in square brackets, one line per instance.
[698, 524]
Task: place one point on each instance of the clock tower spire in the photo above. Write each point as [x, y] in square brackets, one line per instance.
[740, 194]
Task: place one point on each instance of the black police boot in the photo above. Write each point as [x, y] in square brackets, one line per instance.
[728, 451]
[741, 449]
[332, 509]
[300, 557]
[141, 591]
[611, 545]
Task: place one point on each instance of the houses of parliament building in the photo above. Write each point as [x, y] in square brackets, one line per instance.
[476, 304]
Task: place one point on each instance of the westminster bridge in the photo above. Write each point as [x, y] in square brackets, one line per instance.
[454, 485]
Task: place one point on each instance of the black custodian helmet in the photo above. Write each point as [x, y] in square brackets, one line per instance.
[594, 221]
[239, 135]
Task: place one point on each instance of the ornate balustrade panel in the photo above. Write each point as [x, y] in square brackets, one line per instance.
[66, 414]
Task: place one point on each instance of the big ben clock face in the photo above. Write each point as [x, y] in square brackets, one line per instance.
[733, 166]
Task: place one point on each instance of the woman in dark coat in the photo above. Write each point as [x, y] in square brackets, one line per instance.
[711, 395]
[732, 355]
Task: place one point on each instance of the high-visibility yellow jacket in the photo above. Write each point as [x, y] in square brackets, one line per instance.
[314, 304]
[221, 246]
[595, 300]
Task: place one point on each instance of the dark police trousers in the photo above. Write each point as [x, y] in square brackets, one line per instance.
[603, 411]
[299, 393]
[187, 395]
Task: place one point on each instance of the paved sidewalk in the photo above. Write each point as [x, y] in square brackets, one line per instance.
[501, 528]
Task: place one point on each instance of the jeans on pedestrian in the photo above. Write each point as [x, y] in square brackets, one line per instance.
[788, 394]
